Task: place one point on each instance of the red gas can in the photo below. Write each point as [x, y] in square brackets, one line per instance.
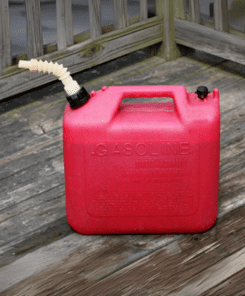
[142, 167]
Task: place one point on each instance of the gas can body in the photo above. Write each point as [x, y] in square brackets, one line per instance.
[142, 167]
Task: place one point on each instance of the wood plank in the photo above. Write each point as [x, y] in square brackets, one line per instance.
[34, 202]
[106, 265]
[127, 247]
[34, 29]
[64, 24]
[5, 38]
[214, 275]
[221, 21]
[69, 23]
[120, 14]
[195, 11]
[95, 18]
[235, 285]
[210, 41]
[187, 8]
[47, 234]
[143, 10]
[212, 77]
[86, 55]
[45, 256]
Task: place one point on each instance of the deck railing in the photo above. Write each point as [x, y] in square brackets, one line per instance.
[216, 35]
[89, 49]
[176, 21]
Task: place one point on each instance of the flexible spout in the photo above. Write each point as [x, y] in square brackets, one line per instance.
[71, 86]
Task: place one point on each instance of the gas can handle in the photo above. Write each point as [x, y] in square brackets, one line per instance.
[115, 94]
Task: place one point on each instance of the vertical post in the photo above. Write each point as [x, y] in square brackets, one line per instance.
[5, 37]
[221, 22]
[168, 50]
[120, 14]
[69, 23]
[95, 18]
[143, 10]
[64, 23]
[187, 10]
[34, 29]
[195, 11]
[179, 9]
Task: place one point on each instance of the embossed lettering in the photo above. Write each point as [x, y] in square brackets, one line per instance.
[116, 150]
[101, 149]
[141, 149]
[128, 149]
[184, 148]
[153, 149]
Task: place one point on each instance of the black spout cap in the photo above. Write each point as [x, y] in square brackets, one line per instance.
[202, 92]
[78, 99]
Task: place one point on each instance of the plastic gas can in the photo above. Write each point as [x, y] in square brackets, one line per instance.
[142, 167]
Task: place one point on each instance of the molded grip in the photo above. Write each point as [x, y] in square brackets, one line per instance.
[115, 94]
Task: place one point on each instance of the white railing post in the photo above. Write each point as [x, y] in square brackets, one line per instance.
[34, 29]
[221, 22]
[120, 14]
[143, 10]
[95, 18]
[64, 23]
[195, 11]
[5, 37]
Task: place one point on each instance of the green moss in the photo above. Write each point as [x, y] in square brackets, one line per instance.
[58, 55]
[91, 49]
[107, 29]
[81, 37]
[23, 57]
[134, 20]
[50, 48]
[12, 70]
[238, 33]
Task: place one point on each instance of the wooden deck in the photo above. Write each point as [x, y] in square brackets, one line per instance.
[41, 255]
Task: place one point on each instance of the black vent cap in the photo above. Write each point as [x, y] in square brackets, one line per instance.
[202, 92]
[78, 99]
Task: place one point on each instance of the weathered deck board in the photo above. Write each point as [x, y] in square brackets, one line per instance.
[234, 285]
[32, 208]
[98, 268]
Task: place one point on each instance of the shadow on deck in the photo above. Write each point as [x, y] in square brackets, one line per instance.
[41, 255]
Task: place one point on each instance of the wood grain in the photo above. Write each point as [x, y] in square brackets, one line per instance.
[210, 41]
[64, 24]
[95, 18]
[143, 10]
[168, 49]
[34, 29]
[235, 285]
[221, 21]
[195, 11]
[100, 269]
[120, 14]
[5, 37]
